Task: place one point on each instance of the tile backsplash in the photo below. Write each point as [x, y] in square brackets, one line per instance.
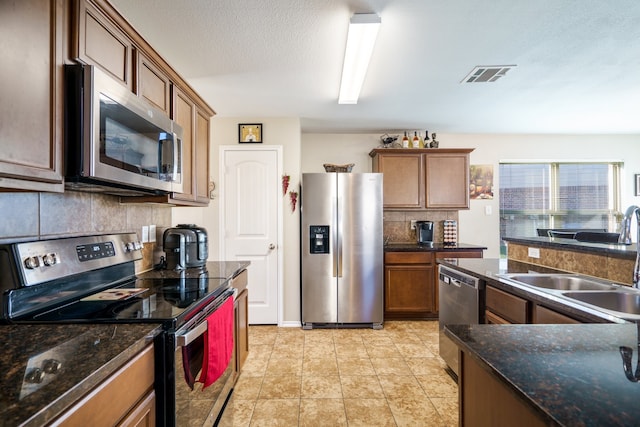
[397, 224]
[37, 216]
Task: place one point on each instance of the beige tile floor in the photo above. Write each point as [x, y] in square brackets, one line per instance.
[344, 377]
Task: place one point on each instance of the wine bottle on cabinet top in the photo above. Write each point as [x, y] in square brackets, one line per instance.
[426, 139]
[405, 140]
[415, 143]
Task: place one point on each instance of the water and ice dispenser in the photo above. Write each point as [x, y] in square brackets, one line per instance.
[319, 239]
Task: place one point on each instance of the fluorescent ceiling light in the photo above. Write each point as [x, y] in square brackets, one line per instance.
[363, 30]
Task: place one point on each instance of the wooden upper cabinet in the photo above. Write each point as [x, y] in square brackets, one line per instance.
[184, 113]
[447, 180]
[98, 41]
[31, 105]
[202, 157]
[104, 38]
[403, 183]
[152, 84]
[424, 178]
[195, 150]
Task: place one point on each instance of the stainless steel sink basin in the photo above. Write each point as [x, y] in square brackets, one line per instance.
[561, 282]
[623, 302]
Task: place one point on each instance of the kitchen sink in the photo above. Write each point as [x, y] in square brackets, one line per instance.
[561, 282]
[623, 302]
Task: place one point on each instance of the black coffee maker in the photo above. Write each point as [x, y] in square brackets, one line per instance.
[424, 232]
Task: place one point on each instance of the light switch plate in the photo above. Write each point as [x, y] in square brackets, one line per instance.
[145, 233]
[152, 233]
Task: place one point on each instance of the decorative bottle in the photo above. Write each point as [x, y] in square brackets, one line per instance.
[426, 139]
[405, 140]
[415, 143]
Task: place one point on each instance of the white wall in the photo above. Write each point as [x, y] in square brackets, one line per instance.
[284, 132]
[308, 152]
[475, 226]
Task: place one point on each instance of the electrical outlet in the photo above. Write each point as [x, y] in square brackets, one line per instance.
[534, 252]
[152, 233]
[413, 224]
[488, 210]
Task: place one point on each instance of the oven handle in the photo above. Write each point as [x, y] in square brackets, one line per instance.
[186, 338]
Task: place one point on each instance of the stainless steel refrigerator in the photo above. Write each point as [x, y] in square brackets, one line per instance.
[342, 250]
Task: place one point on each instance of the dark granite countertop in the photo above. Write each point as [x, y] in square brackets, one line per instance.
[612, 250]
[572, 375]
[88, 355]
[222, 270]
[435, 247]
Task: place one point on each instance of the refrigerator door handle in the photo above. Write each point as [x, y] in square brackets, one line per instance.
[339, 236]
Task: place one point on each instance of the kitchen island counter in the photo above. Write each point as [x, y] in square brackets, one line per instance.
[614, 250]
[490, 270]
[88, 354]
[566, 374]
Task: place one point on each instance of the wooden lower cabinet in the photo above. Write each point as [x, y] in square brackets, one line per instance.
[542, 314]
[408, 285]
[503, 307]
[486, 401]
[241, 319]
[242, 328]
[126, 398]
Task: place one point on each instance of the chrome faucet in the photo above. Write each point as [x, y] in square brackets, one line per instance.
[625, 238]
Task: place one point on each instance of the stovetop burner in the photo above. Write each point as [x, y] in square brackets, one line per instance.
[87, 310]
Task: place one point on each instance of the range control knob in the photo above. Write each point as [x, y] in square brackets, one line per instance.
[32, 262]
[50, 259]
[137, 246]
[34, 376]
[128, 247]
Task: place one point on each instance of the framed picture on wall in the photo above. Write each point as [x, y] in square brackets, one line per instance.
[250, 133]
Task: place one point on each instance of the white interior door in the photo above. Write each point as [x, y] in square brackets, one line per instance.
[250, 221]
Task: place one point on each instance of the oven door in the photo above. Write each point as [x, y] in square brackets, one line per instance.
[198, 406]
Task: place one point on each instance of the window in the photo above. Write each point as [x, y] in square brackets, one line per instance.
[558, 195]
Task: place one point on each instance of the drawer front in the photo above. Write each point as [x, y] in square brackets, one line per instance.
[409, 257]
[460, 254]
[547, 316]
[508, 306]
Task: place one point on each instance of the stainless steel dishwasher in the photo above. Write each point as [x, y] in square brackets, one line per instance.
[459, 304]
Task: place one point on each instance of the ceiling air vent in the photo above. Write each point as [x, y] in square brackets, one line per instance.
[487, 73]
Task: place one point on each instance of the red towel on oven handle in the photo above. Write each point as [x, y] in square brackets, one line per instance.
[218, 344]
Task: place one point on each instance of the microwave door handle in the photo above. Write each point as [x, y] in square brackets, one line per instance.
[189, 336]
[176, 159]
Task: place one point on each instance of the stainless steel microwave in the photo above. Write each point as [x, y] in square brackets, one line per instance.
[115, 142]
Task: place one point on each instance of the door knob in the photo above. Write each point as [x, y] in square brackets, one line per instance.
[272, 246]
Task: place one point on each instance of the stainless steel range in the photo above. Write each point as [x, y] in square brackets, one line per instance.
[92, 280]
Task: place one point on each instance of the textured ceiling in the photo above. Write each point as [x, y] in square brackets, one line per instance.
[578, 62]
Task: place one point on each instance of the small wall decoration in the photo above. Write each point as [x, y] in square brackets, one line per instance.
[637, 177]
[293, 198]
[481, 182]
[285, 184]
[250, 133]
